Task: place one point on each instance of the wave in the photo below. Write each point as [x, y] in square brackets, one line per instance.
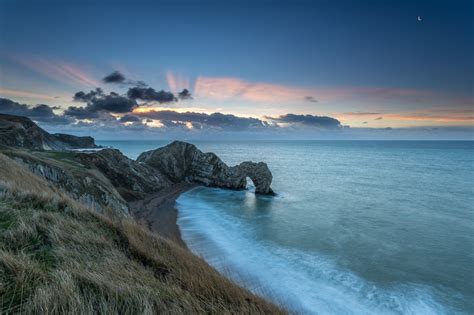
[304, 282]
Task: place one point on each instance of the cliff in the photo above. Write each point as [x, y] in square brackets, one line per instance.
[107, 180]
[59, 257]
[68, 243]
[22, 132]
[181, 161]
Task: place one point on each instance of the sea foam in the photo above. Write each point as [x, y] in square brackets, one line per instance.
[303, 282]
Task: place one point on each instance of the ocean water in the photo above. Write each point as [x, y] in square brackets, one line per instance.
[357, 227]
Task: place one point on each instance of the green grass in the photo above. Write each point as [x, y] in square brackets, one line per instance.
[65, 157]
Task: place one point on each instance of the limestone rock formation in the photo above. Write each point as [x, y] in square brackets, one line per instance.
[107, 179]
[82, 182]
[22, 132]
[181, 161]
[131, 179]
[260, 175]
[75, 142]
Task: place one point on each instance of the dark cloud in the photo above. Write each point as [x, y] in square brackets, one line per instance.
[150, 94]
[80, 113]
[308, 120]
[129, 118]
[88, 97]
[378, 118]
[310, 99]
[112, 103]
[97, 101]
[365, 122]
[41, 113]
[184, 95]
[114, 77]
[201, 120]
[139, 83]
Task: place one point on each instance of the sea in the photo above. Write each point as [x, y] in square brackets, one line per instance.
[356, 227]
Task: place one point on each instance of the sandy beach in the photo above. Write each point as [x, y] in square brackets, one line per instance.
[159, 213]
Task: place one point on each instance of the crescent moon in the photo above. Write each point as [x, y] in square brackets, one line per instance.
[419, 18]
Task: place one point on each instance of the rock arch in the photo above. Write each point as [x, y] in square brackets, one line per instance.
[180, 161]
[260, 175]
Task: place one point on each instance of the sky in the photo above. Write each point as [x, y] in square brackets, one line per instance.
[238, 69]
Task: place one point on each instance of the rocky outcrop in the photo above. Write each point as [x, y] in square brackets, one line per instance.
[22, 132]
[108, 180]
[75, 142]
[260, 175]
[83, 183]
[131, 179]
[181, 161]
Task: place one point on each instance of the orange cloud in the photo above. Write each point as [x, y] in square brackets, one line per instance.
[234, 88]
[177, 82]
[26, 94]
[428, 117]
[58, 70]
[443, 115]
[230, 88]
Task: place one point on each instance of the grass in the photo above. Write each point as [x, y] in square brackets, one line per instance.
[57, 256]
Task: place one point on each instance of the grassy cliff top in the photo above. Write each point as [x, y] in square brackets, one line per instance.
[57, 256]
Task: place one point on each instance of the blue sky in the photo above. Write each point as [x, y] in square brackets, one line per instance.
[355, 61]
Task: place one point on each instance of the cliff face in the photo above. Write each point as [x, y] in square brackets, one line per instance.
[22, 132]
[131, 179]
[107, 179]
[181, 161]
[75, 142]
[81, 181]
[59, 257]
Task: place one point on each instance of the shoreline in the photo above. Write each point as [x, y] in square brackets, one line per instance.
[159, 212]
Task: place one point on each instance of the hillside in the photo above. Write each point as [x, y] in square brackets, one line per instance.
[58, 256]
[69, 244]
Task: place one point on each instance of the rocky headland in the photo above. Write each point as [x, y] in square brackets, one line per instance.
[93, 231]
[87, 232]
[107, 179]
[22, 132]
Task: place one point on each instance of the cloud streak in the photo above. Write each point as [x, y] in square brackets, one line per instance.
[233, 88]
[58, 70]
[229, 88]
[307, 120]
[440, 115]
[26, 94]
[177, 82]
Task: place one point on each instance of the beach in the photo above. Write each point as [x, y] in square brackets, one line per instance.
[159, 213]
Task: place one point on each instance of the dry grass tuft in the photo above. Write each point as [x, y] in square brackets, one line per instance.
[56, 257]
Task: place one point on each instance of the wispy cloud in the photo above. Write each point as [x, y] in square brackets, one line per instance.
[437, 115]
[449, 118]
[25, 94]
[361, 114]
[177, 82]
[58, 70]
[229, 88]
[233, 88]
